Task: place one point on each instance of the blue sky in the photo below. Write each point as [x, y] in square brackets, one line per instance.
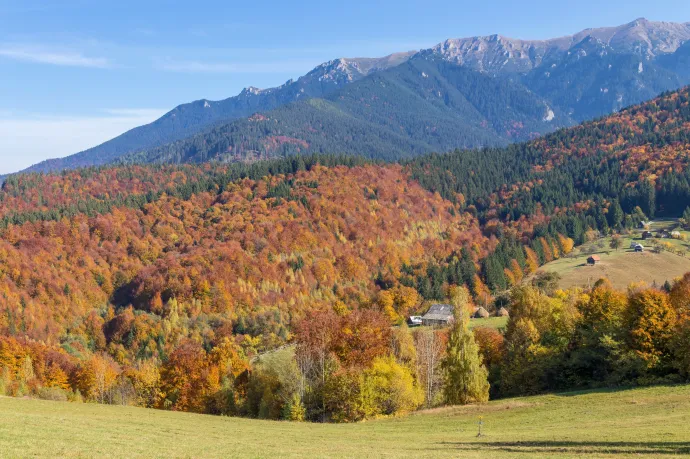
[74, 73]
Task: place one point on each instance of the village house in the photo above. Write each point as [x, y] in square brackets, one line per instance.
[663, 234]
[647, 235]
[438, 314]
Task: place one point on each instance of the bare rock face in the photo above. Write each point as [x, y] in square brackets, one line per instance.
[496, 54]
[646, 38]
[346, 70]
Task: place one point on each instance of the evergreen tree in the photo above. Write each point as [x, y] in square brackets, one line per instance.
[686, 217]
[615, 215]
[465, 377]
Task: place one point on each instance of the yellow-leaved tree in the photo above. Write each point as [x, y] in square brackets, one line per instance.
[465, 378]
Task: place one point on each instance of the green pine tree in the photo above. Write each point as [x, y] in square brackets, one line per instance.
[465, 377]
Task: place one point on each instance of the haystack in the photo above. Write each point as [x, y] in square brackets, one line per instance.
[481, 314]
[503, 312]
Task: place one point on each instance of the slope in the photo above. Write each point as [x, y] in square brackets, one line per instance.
[592, 79]
[242, 251]
[188, 119]
[626, 423]
[423, 105]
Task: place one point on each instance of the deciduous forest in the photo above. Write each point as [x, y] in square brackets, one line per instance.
[279, 289]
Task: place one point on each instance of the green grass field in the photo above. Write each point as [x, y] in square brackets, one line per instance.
[650, 422]
[497, 323]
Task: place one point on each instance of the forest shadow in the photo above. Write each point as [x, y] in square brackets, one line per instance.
[575, 447]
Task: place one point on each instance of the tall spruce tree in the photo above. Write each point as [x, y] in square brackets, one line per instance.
[465, 379]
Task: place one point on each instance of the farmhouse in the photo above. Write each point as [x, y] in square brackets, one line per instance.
[438, 314]
[639, 248]
[647, 235]
[593, 260]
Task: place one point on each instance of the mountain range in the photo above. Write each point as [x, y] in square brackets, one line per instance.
[478, 91]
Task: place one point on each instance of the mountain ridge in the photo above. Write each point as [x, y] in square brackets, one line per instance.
[423, 105]
[494, 55]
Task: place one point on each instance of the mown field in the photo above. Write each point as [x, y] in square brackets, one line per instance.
[650, 422]
[623, 266]
[497, 323]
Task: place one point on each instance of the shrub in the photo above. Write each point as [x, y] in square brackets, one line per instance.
[52, 393]
[392, 387]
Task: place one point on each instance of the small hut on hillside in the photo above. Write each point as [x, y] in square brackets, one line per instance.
[503, 312]
[481, 314]
[593, 260]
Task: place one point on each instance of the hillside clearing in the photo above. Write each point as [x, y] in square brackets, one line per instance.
[640, 423]
[624, 266]
[622, 269]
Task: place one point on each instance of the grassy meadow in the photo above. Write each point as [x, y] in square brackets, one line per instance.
[624, 266]
[497, 323]
[651, 422]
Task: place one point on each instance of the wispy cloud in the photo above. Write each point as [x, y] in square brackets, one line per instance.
[27, 139]
[61, 58]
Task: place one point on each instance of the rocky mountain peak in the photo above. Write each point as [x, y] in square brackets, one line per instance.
[644, 37]
[251, 91]
[497, 54]
[351, 69]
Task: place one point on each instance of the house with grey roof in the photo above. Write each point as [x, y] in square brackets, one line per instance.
[438, 314]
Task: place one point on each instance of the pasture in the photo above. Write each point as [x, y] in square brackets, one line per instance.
[649, 422]
[625, 266]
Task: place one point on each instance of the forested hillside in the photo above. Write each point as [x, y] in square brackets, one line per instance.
[152, 275]
[189, 119]
[425, 104]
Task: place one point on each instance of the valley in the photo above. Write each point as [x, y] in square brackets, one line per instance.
[475, 249]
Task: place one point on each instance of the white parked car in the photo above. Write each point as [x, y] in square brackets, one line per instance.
[414, 320]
